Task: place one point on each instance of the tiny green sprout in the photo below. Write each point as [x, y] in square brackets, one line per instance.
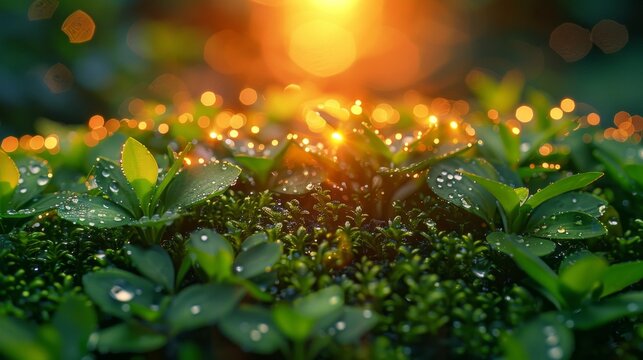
[150, 306]
[555, 212]
[584, 291]
[309, 320]
[215, 256]
[132, 194]
[21, 186]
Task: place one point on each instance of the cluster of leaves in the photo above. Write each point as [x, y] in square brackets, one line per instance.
[281, 272]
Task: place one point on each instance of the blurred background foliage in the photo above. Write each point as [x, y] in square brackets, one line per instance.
[354, 48]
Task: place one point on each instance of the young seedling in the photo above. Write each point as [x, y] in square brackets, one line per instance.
[21, 187]
[152, 309]
[133, 195]
[583, 292]
[554, 212]
[215, 256]
[310, 322]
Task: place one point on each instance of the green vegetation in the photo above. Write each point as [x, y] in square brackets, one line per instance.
[449, 255]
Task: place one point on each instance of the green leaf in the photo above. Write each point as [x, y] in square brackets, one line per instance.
[112, 182]
[260, 166]
[294, 325]
[619, 276]
[75, 320]
[9, 177]
[375, 143]
[537, 246]
[571, 201]
[324, 303]
[198, 183]
[429, 159]
[38, 205]
[254, 240]
[94, 211]
[116, 291]
[506, 196]
[213, 253]
[253, 329]
[530, 264]
[155, 263]
[354, 324]
[522, 193]
[511, 144]
[19, 340]
[170, 173]
[129, 338]
[613, 167]
[446, 182]
[561, 186]
[542, 338]
[156, 220]
[635, 172]
[297, 181]
[608, 310]
[257, 259]
[35, 175]
[567, 226]
[140, 169]
[200, 305]
[583, 275]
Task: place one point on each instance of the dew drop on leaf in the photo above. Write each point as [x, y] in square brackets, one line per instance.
[121, 294]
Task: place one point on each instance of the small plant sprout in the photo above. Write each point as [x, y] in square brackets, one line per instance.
[585, 293]
[151, 307]
[132, 193]
[21, 186]
[554, 212]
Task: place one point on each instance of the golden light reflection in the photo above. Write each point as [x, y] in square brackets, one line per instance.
[322, 48]
[524, 114]
[567, 105]
[248, 96]
[208, 98]
[10, 144]
[556, 113]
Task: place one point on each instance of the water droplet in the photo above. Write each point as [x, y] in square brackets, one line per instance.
[612, 221]
[113, 187]
[238, 268]
[121, 294]
[255, 335]
[204, 237]
[561, 230]
[195, 309]
[23, 190]
[340, 325]
[334, 300]
[263, 328]
[105, 173]
[632, 307]
[367, 314]
[34, 169]
[42, 181]
[555, 353]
